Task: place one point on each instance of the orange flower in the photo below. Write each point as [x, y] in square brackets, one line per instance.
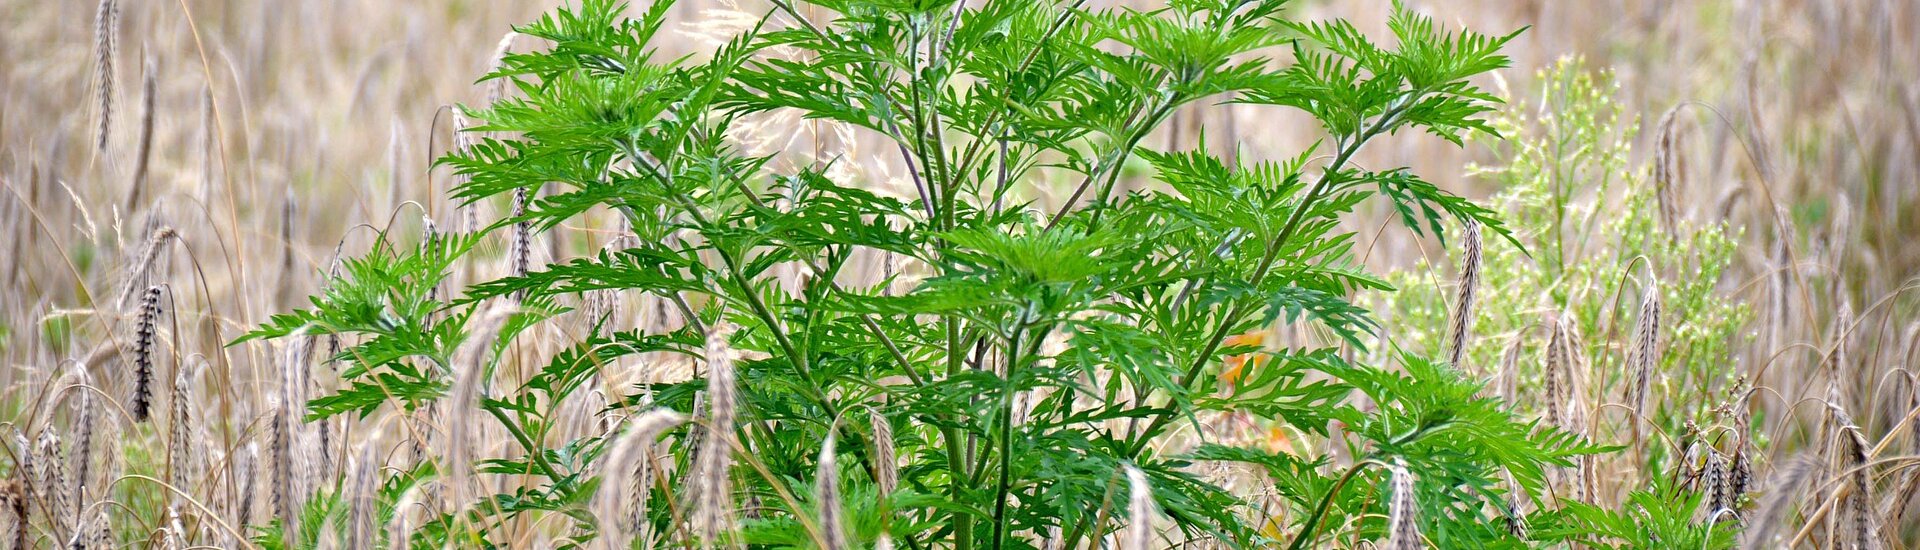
[1277, 441]
[1237, 364]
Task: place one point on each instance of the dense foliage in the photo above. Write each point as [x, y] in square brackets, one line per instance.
[1001, 439]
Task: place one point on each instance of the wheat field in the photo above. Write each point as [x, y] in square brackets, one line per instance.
[179, 172]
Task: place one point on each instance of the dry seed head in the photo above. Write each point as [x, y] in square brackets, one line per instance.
[144, 265]
[1861, 521]
[144, 153]
[1667, 170]
[627, 468]
[1403, 521]
[1836, 371]
[15, 493]
[522, 247]
[299, 450]
[246, 468]
[1516, 520]
[464, 140]
[1739, 478]
[50, 481]
[711, 491]
[1646, 356]
[281, 499]
[1717, 483]
[886, 460]
[1510, 368]
[1139, 533]
[181, 436]
[81, 454]
[1902, 496]
[1779, 497]
[826, 489]
[598, 311]
[1463, 303]
[363, 482]
[463, 399]
[1554, 383]
[399, 528]
[497, 88]
[141, 404]
[106, 24]
[94, 531]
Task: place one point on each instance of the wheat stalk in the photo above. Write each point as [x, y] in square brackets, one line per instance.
[209, 145]
[281, 500]
[180, 440]
[709, 488]
[1509, 378]
[628, 467]
[143, 155]
[1739, 478]
[826, 489]
[521, 252]
[1645, 357]
[463, 400]
[1667, 170]
[94, 533]
[1463, 301]
[144, 265]
[143, 355]
[81, 454]
[50, 476]
[463, 142]
[365, 498]
[886, 469]
[16, 492]
[1403, 513]
[1553, 381]
[246, 468]
[1717, 481]
[106, 24]
[1139, 530]
[399, 529]
[1864, 531]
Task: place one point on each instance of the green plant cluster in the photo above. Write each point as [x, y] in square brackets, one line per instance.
[1001, 441]
[1594, 248]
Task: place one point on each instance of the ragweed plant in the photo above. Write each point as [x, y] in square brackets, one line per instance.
[1042, 352]
[1649, 329]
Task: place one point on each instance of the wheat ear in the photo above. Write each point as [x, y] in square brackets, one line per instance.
[50, 477]
[1645, 358]
[627, 467]
[826, 490]
[1463, 302]
[886, 469]
[143, 355]
[1139, 530]
[106, 24]
[711, 491]
[1667, 169]
[1403, 513]
[145, 152]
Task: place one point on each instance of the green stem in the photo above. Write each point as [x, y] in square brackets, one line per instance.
[1006, 447]
[534, 452]
[1109, 170]
[1312, 525]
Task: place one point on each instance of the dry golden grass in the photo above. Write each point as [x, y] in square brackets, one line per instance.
[176, 171]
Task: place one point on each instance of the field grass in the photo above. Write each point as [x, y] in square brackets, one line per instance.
[1695, 263]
